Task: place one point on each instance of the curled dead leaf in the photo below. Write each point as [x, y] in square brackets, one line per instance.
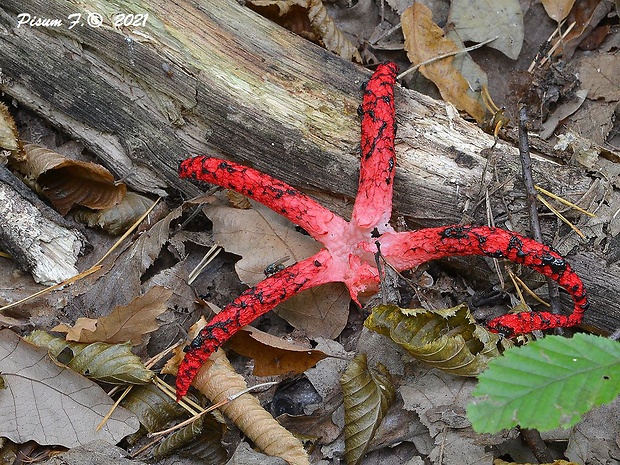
[322, 25]
[66, 182]
[273, 355]
[424, 40]
[117, 219]
[448, 339]
[218, 380]
[110, 363]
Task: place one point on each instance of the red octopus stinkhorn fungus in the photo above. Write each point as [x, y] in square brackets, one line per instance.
[350, 246]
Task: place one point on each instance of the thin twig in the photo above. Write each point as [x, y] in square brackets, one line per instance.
[537, 445]
[555, 46]
[518, 283]
[526, 169]
[445, 55]
[559, 215]
[212, 407]
[530, 190]
[564, 201]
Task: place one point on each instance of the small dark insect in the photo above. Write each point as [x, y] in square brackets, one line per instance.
[276, 266]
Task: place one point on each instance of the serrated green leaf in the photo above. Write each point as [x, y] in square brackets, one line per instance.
[448, 339]
[110, 363]
[368, 395]
[547, 384]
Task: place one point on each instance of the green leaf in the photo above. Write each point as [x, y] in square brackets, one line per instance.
[368, 395]
[547, 384]
[448, 339]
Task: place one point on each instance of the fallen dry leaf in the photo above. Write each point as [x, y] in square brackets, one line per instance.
[129, 323]
[218, 380]
[66, 182]
[481, 20]
[586, 14]
[273, 355]
[109, 363]
[117, 219]
[322, 25]
[368, 394]
[48, 404]
[424, 40]
[440, 400]
[448, 339]
[262, 237]
[558, 9]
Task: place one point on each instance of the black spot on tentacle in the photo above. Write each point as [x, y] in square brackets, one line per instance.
[455, 232]
[516, 244]
[227, 167]
[557, 264]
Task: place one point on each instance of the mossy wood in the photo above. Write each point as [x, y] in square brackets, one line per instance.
[212, 77]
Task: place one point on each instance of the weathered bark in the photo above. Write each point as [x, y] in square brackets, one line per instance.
[41, 244]
[212, 77]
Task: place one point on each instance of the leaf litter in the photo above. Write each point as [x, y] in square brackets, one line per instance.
[443, 421]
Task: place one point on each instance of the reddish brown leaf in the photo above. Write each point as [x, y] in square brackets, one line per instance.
[273, 355]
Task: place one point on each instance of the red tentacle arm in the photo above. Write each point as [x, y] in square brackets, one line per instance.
[409, 249]
[251, 304]
[291, 203]
[373, 204]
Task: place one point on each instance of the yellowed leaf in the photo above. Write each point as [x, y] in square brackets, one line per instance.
[110, 363]
[66, 182]
[424, 40]
[448, 339]
[558, 9]
[129, 323]
[368, 395]
[273, 355]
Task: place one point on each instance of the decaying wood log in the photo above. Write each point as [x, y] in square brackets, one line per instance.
[41, 244]
[212, 77]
